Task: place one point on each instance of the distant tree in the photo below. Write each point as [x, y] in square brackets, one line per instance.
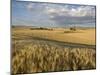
[13, 26]
[73, 28]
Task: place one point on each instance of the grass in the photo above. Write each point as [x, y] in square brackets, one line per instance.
[31, 56]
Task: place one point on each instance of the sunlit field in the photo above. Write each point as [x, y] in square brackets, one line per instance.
[56, 49]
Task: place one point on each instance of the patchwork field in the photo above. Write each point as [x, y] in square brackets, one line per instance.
[57, 49]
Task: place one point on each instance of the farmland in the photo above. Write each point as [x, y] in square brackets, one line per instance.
[57, 49]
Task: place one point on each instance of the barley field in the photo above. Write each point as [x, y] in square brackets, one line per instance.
[35, 51]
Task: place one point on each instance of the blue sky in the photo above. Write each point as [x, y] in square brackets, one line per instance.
[52, 15]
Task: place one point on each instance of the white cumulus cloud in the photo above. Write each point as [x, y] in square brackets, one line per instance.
[77, 12]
